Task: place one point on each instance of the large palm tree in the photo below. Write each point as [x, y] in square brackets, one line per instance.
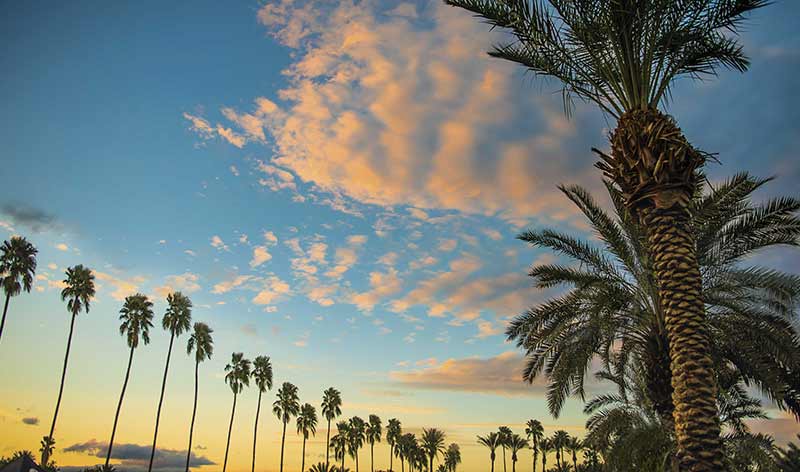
[17, 268]
[339, 442]
[504, 433]
[516, 443]
[357, 431]
[286, 407]
[393, 432]
[262, 375]
[535, 432]
[237, 377]
[78, 291]
[373, 434]
[137, 319]
[624, 55]
[331, 409]
[202, 344]
[177, 320]
[614, 300]
[452, 457]
[491, 441]
[306, 425]
[432, 443]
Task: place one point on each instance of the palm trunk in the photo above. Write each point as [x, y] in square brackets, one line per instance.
[160, 403]
[391, 456]
[283, 440]
[504, 459]
[328, 446]
[230, 429]
[372, 457]
[303, 461]
[402, 465]
[46, 452]
[5, 310]
[574, 461]
[679, 283]
[492, 464]
[194, 412]
[430, 466]
[535, 455]
[255, 431]
[544, 462]
[356, 460]
[343, 456]
[119, 407]
[513, 465]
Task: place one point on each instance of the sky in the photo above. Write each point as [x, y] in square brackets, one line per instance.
[335, 184]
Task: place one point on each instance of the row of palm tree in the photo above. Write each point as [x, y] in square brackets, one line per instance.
[565, 446]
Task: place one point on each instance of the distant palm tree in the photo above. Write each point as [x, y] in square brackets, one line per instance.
[373, 434]
[432, 443]
[546, 446]
[78, 292]
[406, 450]
[46, 446]
[17, 268]
[262, 375]
[137, 319]
[321, 467]
[393, 432]
[339, 441]
[237, 377]
[306, 424]
[452, 457]
[516, 443]
[560, 439]
[285, 408]
[202, 344]
[574, 446]
[177, 320]
[491, 440]
[356, 436]
[504, 434]
[331, 409]
[535, 433]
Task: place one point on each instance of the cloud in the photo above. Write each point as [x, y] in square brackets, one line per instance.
[260, 256]
[270, 237]
[122, 286]
[492, 234]
[62, 247]
[217, 243]
[447, 245]
[228, 285]
[135, 456]
[185, 283]
[383, 285]
[30, 420]
[272, 290]
[35, 219]
[388, 107]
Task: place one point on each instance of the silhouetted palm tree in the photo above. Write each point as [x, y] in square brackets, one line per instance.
[17, 268]
[546, 446]
[491, 441]
[373, 434]
[560, 439]
[306, 424]
[624, 56]
[432, 443]
[202, 344]
[237, 377]
[393, 432]
[286, 407]
[331, 409]
[177, 320]
[339, 442]
[504, 435]
[77, 292]
[262, 375]
[535, 433]
[356, 436]
[406, 450]
[452, 457]
[574, 446]
[516, 443]
[137, 319]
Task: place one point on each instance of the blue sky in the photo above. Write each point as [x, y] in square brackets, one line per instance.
[335, 185]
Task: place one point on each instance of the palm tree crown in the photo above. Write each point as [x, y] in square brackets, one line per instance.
[262, 373]
[432, 443]
[201, 342]
[307, 420]
[17, 265]
[238, 372]
[137, 319]
[331, 404]
[287, 405]
[178, 317]
[374, 429]
[78, 288]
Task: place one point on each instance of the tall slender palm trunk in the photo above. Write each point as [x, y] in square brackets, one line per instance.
[283, 441]
[46, 451]
[303, 461]
[535, 456]
[402, 465]
[3, 321]
[194, 413]
[372, 457]
[230, 429]
[255, 431]
[160, 402]
[514, 465]
[391, 456]
[492, 465]
[574, 461]
[356, 460]
[344, 454]
[328, 446]
[119, 407]
[504, 459]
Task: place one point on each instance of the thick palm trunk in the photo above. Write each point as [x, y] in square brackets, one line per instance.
[46, 452]
[119, 407]
[303, 460]
[3, 321]
[283, 440]
[255, 431]
[513, 465]
[328, 446]
[194, 413]
[679, 282]
[230, 429]
[160, 403]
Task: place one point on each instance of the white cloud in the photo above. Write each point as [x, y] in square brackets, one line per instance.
[260, 256]
[217, 243]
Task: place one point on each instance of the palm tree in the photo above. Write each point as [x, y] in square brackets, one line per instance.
[614, 299]
[504, 433]
[306, 424]
[405, 447]
[177, 320]
[78, 292]
[560, 439]
[137, 319]
[546, 446]
[574, 446]
[393, 432]
[624, 55]
[356, 436]
[340, 440]
[202, 344]
[491, 440]
[237, 377]
[535, 433]
[516, 443]
[331, 409]
[432, 443]
[285, 408]
[17, 268]
[452, 457]
[373, 434]
[321, 467]
[262, 375]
